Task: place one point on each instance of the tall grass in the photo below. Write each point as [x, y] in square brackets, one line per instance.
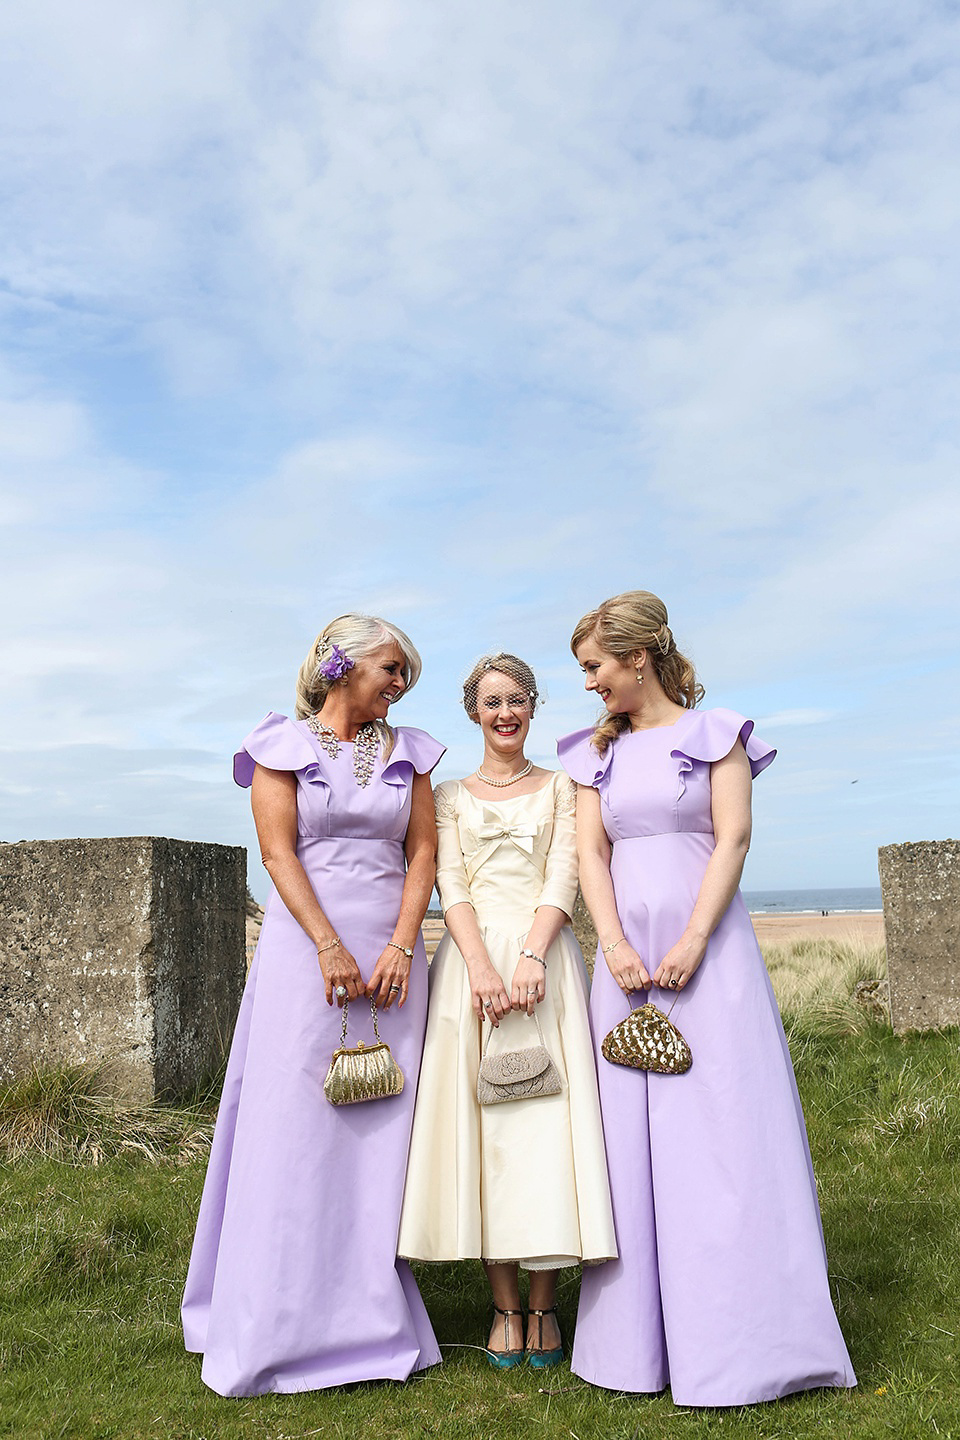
[829, 987]
[69, 1114]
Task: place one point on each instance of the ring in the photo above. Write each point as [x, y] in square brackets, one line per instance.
[341, 992]
[673, 984]
[488, 1004]
[394, 987]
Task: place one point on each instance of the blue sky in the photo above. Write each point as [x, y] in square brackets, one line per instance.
[472, 316]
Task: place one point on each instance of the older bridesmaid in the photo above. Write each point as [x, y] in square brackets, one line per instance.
[294, 1282]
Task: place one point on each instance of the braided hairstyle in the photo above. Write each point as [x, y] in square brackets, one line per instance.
[624, 624]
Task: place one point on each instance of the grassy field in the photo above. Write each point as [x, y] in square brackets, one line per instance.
[94, 1238]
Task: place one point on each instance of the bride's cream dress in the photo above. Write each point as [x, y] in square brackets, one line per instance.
[525, 1180]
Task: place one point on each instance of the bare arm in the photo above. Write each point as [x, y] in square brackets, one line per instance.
[420, 848]
[730, 786]
[274, 799]
[623, 962]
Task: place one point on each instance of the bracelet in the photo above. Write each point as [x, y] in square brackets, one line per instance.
[532, 955]
[396, 946]
[330, 945]
[608, 948]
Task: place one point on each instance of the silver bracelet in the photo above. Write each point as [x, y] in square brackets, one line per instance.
[396, 946]
[608, 948]
[532, 955]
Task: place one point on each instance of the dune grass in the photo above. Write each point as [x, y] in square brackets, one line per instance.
[93, 1257]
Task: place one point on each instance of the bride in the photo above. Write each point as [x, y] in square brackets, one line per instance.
[522, 1183]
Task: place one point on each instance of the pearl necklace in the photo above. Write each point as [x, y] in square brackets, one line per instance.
[499, 784]
[365, 747]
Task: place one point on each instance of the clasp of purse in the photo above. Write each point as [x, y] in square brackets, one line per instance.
[517, 1074]
[362, 1072]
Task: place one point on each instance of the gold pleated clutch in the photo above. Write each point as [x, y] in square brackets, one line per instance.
[648, 1040]
[362, 1072]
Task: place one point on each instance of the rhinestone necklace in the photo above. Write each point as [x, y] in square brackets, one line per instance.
[365, 747]
[499, 784]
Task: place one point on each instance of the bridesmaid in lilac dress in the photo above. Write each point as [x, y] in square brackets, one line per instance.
[294, 1282]
[721, 1288]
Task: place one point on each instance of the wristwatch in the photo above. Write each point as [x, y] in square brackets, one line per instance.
[532, 955]
[408, 953]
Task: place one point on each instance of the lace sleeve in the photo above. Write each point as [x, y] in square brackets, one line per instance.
[565, 802]
[443, 803]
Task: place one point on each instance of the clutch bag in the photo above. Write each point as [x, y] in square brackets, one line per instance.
[648, 1040]
[517, 1074]
[362, 1072]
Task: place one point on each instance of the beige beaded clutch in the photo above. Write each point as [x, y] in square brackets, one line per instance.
[363, 1072]
[517, 1074]
[648, 1040]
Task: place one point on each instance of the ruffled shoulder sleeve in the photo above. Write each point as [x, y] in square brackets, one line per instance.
[580, 760]
[276, 743]
[412, 749]
[712, 734]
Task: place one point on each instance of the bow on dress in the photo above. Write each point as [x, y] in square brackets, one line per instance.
[492, 833]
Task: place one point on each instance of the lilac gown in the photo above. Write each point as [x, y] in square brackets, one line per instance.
[294, 1282]
[721, 1287]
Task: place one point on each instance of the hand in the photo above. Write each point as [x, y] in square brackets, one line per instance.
[339, 968]
[489, 994]
[391, 977]
[529, 984]
[627, 968]
[680, 963]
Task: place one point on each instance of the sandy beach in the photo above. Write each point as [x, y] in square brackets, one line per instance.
[780, 929]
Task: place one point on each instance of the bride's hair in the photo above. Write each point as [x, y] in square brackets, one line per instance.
[624, 624]
[504, 663]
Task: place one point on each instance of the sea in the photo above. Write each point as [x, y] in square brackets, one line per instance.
[813, 902]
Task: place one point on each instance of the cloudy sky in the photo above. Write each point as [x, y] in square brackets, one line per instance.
[472, 316]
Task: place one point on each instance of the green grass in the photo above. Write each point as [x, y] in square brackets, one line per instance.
[93, 1257]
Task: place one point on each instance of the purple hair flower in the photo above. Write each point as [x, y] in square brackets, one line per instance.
[337, 666]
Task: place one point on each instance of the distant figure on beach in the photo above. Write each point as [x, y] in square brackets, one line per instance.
[522, 1182]
[294, 1282]
[720, 1290]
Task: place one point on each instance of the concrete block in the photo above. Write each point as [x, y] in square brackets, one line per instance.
[585, 931]
[127, 953]
[921, 911]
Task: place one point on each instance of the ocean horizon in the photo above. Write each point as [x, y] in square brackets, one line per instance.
[858, 900]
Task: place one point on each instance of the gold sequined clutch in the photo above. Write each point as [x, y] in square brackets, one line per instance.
[648, 1040]
[517, 1074]
[363, 1072]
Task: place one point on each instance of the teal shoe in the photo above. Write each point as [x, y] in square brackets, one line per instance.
[540, 1359]
[506, 1359]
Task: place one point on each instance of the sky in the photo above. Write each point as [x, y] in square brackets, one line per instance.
[472, 316]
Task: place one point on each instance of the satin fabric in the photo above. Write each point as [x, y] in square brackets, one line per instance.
[293, 1281]
[720, 1289]
[525, 1180]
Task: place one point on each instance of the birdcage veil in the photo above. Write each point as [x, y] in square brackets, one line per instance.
[517, 671]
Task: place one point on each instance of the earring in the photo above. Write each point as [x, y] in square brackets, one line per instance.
[639, 676]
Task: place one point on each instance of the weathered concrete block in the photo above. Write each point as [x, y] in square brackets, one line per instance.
[585, 931]
[123, 952]
[921, 911]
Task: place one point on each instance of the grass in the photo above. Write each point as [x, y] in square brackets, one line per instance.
[93, 1257]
